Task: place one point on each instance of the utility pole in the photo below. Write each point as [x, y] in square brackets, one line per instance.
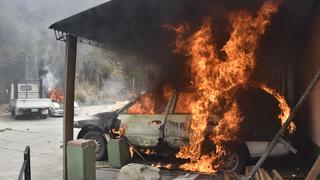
[133, 86]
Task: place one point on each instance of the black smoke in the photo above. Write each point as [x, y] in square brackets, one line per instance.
[135, 28]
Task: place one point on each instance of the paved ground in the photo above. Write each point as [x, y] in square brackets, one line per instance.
[44, 136]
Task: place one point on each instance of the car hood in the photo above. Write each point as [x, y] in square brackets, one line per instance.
[108, 120]
[99, 116]
[107, 115]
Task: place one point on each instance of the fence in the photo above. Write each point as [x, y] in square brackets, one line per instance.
[25, 170]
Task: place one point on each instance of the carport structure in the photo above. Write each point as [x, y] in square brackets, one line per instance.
[136, 27]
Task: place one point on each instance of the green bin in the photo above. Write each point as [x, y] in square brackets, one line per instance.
[118, 153]
[81, 160]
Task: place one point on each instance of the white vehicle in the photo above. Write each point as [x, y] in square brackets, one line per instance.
[56, 109]
[166, 130]
[26, 98]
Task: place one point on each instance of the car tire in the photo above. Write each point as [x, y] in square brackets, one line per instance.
[16, 117]
[43, 116]
[236, 159]
[101, 144]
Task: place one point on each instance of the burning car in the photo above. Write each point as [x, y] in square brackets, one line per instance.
[56, 109]
[203, 129]
[163, 127]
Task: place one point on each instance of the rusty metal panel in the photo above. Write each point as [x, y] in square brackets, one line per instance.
[142, 130]
[176, 131]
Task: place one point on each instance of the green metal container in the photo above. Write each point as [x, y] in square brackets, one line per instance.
[81, 160]
[118, 153]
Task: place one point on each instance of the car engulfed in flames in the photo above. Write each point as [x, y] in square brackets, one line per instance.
[203, 124]
[165, 122]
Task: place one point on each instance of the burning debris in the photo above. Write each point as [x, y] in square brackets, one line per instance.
[55, 94]
[161, 165]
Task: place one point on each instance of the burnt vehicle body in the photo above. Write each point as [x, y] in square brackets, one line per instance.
[164, 128]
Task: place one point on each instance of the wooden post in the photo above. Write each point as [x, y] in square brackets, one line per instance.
[314, 173]
[26, 157]
[69, 76]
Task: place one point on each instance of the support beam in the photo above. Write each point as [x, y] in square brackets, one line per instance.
[315, 171]
[284, 127]
[69, 76]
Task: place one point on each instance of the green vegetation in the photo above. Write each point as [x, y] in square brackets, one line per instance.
[104, 76]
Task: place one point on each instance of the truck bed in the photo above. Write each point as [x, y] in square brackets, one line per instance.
[30, 103]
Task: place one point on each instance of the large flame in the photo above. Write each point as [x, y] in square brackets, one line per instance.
[183, 104]
[145, 105]
[216, 81]
[149, 102]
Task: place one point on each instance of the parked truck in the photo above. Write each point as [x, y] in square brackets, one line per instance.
[26, 99]
[26, 94]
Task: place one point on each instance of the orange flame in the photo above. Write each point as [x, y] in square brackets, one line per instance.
[184, 103]
[217, 79]
[159, 165]
[55, 94]
[284, 107]
[131, 152]
[149, 151]
[147, 103]
[119, 133]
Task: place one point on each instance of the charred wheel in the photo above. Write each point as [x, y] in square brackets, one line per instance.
[101, 144]
[236, 158]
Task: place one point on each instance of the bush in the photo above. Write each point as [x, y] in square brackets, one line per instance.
[80, 96]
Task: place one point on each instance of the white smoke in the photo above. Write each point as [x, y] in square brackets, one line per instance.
[48, 80]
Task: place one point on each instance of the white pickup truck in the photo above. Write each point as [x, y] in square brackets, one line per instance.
[26, 98]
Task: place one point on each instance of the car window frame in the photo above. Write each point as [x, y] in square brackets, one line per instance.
[175, 104]
[124, 109]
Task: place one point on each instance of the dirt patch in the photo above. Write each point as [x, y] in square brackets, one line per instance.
[4, 108]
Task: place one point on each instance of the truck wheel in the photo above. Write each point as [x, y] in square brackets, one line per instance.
[101, 144]
[236, 159]
[15, 116]
[43, 116]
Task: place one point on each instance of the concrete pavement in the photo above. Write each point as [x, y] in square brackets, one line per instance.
[4, 126]
[44, 136]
